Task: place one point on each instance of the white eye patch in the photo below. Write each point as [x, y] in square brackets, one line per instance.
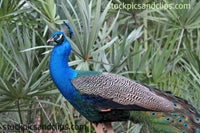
[60, 36]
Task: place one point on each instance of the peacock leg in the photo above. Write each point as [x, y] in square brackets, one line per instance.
[98, 127]
[108, 127]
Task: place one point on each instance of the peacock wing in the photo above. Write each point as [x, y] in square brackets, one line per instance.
[110, 91]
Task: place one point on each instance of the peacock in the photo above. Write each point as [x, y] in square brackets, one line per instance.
[103, 97]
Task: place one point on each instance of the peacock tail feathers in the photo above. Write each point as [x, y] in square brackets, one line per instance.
[165, 122]
[184, 118]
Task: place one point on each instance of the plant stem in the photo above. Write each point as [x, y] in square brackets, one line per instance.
[145, 39]
[19, 111]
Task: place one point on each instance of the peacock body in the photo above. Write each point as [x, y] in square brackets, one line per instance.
[104, 97]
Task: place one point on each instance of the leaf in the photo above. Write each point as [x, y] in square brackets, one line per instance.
[105, 46]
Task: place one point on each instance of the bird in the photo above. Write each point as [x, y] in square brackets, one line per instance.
[103, 97]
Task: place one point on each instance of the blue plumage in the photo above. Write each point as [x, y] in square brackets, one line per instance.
[62, 74]
[60, 71]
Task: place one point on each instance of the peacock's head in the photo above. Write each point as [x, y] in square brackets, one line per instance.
[57, 37]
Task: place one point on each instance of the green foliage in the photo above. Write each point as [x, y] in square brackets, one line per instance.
[10, 9]
[155, 47]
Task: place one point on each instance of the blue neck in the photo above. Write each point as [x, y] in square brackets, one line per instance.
[60, 71]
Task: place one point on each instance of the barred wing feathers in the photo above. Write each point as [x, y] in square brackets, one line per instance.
[116, 92]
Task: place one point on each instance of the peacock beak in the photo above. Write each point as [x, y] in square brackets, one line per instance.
[51, 39]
